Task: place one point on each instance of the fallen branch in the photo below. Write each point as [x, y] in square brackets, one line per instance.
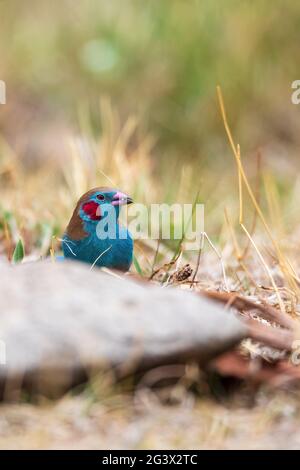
[275, 337]
[243, 304]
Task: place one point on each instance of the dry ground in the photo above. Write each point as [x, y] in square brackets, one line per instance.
[74, 423]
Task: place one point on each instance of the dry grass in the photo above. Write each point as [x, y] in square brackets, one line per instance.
[144, 421]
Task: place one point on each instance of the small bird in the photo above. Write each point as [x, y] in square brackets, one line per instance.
[94, 235]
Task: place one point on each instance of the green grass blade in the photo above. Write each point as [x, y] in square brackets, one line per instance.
[19, 252]
[137, 266]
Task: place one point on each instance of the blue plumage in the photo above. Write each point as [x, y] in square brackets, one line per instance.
[94, 235]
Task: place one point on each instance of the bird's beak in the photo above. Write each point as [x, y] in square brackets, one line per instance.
[120, 199]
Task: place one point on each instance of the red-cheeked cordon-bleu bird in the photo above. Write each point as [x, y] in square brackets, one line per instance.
[94, 235]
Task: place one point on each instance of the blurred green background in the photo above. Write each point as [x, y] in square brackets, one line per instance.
[159, 60]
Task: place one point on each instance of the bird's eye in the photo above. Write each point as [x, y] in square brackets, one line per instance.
[100, 197]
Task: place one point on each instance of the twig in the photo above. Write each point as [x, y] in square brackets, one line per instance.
[274, 337]
[101, 254]
[257, 195]
[243, 304]
[220, 258]
[201, 244]
[165, 266]
[281, 304]
[237, 250]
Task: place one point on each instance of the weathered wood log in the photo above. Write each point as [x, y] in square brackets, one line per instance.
[59, 321]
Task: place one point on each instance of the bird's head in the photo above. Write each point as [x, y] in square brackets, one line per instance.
[92, 206]
[99, 200]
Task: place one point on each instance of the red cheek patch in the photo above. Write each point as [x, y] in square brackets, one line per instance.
[92, 210]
